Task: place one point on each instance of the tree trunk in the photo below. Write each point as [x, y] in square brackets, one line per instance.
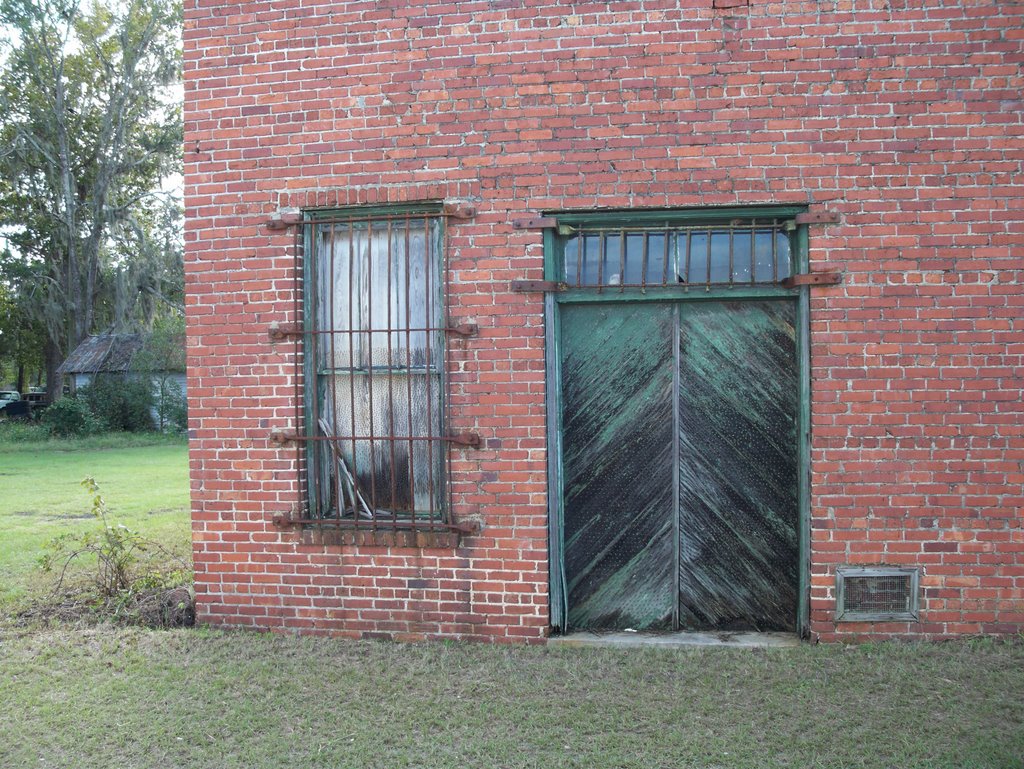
[54, 382]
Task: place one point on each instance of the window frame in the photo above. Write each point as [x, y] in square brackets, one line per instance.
[845, 573]
[437, 518]
[670, 219]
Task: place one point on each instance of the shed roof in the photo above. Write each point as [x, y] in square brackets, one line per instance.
[103, 352]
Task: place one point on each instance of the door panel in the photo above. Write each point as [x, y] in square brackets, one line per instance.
[679, 465]
[738, 548]
[617, 367]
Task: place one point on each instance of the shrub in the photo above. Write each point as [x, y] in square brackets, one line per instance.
[121, 403]
[115, 547]
[70, 417]
[171, 408]
[128, 588]
[16, 431]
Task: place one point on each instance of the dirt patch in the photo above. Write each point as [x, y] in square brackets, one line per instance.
[154, 608]
[167, 608]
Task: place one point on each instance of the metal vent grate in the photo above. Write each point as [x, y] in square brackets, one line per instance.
[876, 594]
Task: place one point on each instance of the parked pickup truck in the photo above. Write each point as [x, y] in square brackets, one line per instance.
[37, 401]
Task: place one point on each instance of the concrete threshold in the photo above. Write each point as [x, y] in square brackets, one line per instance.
[723, 639]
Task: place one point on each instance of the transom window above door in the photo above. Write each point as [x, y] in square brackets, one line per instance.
[735, 252]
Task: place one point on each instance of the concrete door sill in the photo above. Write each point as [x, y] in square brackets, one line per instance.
[723, 639]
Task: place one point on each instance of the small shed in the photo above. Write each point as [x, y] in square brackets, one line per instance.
[100, 354]
[114, 354]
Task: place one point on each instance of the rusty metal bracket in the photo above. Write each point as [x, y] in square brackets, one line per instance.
[283, 221]
[464, 439]
[463, 329]
[531, 286]
[282, 438]
[535, 223]
[280, 332]
[284, 520]
[459, 211]
[813, 279]
[817, 217]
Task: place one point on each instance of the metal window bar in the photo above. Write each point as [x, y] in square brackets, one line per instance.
[689, 251]
[366, 469]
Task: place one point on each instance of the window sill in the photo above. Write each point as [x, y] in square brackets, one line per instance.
[365, 537]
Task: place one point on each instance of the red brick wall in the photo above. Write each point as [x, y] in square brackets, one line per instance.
[906, 120]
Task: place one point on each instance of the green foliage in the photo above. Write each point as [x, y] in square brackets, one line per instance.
[17, 437]
[113, 697]
[163, 348]
[120, 403]
[128, 587]
[16, 431]
[89, 127]
[145, 482]
[162, 353]
[21, 339]
[171, 406]
[70, 417]
[115, 547]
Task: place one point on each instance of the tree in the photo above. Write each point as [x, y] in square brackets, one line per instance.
[21, 337]
[21, 343]
[87, 131]
[161, 357]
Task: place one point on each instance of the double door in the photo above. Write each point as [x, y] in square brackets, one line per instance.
[679, 462]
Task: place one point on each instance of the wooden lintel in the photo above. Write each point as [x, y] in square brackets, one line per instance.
[532, 286]
[464, 329]
[280, 332]
[813, 279]
[459, 211]
[535, 223]
[464, 439]
[284, 221]
[817, 217]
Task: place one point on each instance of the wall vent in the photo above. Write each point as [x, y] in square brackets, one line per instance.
[876, 594]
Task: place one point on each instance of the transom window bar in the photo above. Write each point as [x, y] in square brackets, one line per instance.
[375, 298]
[737, 253]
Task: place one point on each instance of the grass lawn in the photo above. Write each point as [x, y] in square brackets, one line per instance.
[107, 697]
[144, 480]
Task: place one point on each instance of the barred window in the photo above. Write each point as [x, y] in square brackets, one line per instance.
[743, 252]
[375, 401]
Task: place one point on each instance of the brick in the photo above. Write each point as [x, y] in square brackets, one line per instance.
[905, 122]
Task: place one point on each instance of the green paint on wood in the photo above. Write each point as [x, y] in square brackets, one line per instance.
[738, 396]
[736, 565]
[616, 365]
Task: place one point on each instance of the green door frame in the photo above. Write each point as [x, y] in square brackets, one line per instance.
[553, 271]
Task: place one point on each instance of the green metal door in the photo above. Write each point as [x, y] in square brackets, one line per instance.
[679, 464]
